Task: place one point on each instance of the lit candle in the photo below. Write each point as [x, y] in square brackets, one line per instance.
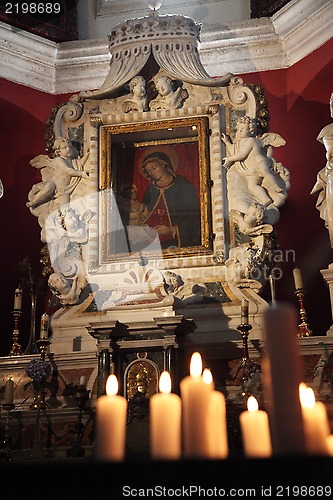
[245, 312]
[316, 426]
[255, 430]
[298, 278]
[329, 442]
[165, 422]
[9, 392]
[18, 298]
[282, 374]
[111, 411]
[218, 437]
[195, 398]
[83, 381]
[44, 326]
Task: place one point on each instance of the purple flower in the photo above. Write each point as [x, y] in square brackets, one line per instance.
[38, 370]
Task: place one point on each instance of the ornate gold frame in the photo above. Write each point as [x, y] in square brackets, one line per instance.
[191, 130]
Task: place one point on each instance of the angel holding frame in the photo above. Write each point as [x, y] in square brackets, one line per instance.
[61, 175]
[254, 155]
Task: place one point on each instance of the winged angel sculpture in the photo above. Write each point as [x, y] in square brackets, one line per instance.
[63, 228]
[257, 186]
[257, 183]
[60, 175]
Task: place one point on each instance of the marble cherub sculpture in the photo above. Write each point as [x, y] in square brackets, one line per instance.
[168, 97]
[254, 157]
[137, 99]
[60, 175]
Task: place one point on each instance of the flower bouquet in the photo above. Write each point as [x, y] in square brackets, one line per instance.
[39, 371]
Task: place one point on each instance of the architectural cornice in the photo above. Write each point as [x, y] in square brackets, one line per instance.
[263, 44]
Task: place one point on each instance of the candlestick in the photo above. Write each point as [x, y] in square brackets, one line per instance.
[303, 328]
[255, 430]
[282, 375]
[316, 426]
[165, 422]
[43, 345]
[81, 395]
[18, 298]
[195, 399]
[16, 347]
[32, 346]
[111, 412]
[244, 329]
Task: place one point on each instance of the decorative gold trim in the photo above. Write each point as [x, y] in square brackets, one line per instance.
[135, 132]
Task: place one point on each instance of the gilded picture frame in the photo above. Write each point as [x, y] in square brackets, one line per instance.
[182, 205]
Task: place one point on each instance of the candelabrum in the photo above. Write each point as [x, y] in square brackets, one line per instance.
[16, 348]
[6, 451]
[81, 395]
[244, 329]
[303, 327]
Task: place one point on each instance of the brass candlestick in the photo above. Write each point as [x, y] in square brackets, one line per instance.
[81, 397]
[244, 329]
[16, 347]
[303, 328]
[43, 345]
[6, 451]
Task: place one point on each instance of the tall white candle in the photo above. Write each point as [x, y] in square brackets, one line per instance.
[316, 426]
[9, 392]
[298, 278]
[18, 298]
[83, 380]
[218, 437]
[245, 312]
[282, 375]
[165, 422]
[195, 400]
[329, 442]
[255, 430]
[111, 411]
[44, 326]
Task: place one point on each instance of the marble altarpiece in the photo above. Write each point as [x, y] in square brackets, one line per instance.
[157, 202]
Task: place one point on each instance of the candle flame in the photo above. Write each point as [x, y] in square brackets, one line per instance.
[165, 383]
[196, 365]
[112, 385]
[306, 396]
[252, 404]
[207, 376]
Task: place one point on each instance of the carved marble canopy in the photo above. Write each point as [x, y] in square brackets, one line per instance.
[172, 41]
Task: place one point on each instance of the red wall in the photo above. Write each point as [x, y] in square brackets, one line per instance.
[23, 113]
[298, 100]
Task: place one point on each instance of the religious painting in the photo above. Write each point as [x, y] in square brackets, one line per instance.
[155, 179]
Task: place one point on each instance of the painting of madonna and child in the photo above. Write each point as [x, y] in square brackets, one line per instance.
[157, 199]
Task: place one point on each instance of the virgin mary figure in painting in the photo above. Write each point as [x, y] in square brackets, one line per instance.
[170, 201]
